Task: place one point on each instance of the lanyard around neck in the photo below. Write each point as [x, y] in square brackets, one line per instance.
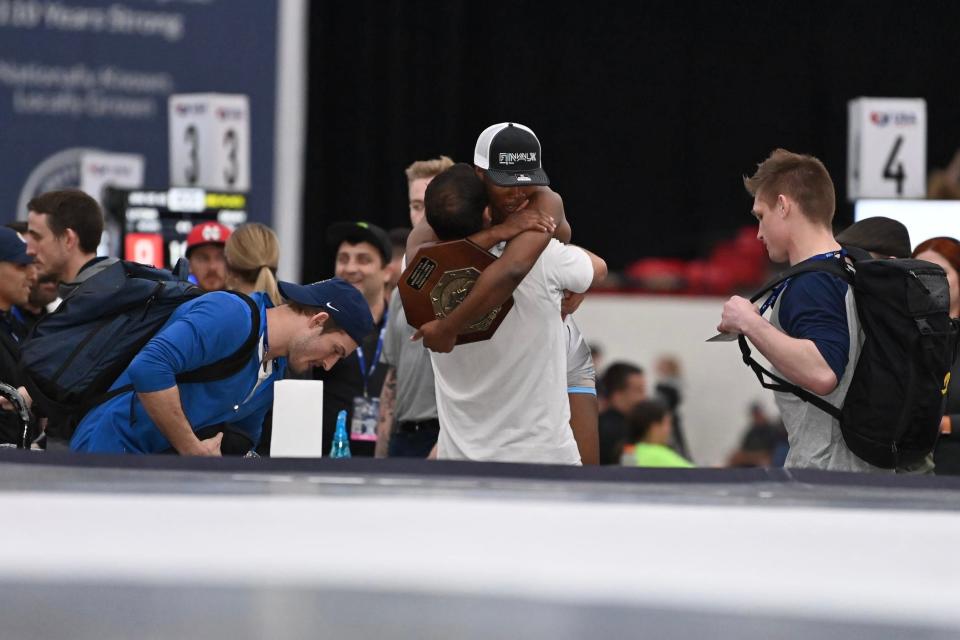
[364, 374]
[777, 290]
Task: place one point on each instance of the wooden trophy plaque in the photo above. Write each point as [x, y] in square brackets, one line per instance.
[438, 279]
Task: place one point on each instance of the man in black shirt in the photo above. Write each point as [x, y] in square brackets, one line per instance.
[625, 387]
[43, 294]
[17, 275]
[363, 255]
[63, 232]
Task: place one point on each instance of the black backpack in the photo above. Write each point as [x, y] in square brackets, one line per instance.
[72, 356]
[896, 399]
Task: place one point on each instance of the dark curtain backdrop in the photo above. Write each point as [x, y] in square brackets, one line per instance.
[648, 112]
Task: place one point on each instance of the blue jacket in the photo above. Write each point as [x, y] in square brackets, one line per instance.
[199, 332]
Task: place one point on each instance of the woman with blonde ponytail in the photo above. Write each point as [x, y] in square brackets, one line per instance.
[252, 254]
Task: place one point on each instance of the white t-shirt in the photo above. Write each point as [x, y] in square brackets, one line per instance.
[505, 399]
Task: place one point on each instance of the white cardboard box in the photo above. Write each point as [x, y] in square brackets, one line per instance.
[297, 419]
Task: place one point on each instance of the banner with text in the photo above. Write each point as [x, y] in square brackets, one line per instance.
[94, 76]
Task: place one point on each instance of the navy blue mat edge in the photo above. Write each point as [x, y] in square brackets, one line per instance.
[486, 470]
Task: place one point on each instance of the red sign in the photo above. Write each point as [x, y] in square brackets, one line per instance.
[145, 248]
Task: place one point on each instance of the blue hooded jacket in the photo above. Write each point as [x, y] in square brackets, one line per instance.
[199, 332]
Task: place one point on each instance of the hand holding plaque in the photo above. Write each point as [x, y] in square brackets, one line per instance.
[439, 278]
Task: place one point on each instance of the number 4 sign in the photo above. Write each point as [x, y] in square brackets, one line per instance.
[887, 148]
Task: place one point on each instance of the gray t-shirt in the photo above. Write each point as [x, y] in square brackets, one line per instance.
[815, 438]
[581, 376]
[416, 398]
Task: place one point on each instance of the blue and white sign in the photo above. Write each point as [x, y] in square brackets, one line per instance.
[96, 75]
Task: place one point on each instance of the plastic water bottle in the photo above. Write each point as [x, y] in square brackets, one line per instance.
[341, 441]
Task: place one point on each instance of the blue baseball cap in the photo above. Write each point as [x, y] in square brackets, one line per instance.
[13, 248]
[343, 301]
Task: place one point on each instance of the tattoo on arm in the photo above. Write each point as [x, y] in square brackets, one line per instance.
[388, 401]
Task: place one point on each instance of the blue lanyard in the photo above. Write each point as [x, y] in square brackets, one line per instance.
[777, 290]
[366, 375]
[16, 325]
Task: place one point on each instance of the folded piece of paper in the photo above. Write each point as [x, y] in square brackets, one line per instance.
[724, 337]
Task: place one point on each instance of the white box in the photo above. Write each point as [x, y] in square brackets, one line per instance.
[297, 419]
[99, 169]
[210, 141]
[887, 148]
[924, 219]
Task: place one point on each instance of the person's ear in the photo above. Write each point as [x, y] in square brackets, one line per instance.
[487, 218]
[318, 320]
[781, 205]
[70, 239]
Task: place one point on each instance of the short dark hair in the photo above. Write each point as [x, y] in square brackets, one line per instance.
[616, 376]
[398, 238]
[802, 177]
[71, 209]
[645, 415]
[455, 201]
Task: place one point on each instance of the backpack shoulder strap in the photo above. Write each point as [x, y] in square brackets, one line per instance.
[779, 384]
[234, 362]
[218, 370]
[838, 267]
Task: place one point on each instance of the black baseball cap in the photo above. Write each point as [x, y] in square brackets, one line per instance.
[510, 154]
[878, 234]
[13, 248]
[360, 231]
[343, 301]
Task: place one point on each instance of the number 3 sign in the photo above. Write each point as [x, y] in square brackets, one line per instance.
[887, 152]
[210, 141]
